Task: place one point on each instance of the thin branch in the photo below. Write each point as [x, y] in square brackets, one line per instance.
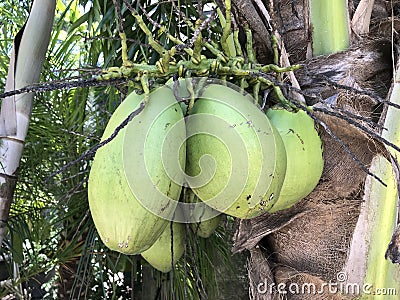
[358, 125]
[79, 134]
[196, 276]
[322, 101]
[62, 85]
[153, 43]
[119, 16]
[204, 24]
[80, 225]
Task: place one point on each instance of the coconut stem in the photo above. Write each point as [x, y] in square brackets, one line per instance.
[378, 217]
[330, 26]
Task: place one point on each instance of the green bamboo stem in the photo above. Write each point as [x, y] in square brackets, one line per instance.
[26, 71]
[329, 25]
[366, 263]
[381, 272]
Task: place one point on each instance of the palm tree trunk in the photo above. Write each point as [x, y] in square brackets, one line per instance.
[28, 54]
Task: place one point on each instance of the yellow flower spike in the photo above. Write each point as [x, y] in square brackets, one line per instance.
[238, 47]
[249, 45]
[165, 60]
[181, 71]
[160, 66]
[189, 87]
[124, 51]
[256, 91]
[215, 66]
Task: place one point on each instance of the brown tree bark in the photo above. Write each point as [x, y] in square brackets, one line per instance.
[309, 242]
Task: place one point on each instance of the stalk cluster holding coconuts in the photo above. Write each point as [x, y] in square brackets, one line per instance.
[195, 141]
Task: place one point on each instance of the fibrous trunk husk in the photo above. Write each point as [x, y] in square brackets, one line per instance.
[309, 242]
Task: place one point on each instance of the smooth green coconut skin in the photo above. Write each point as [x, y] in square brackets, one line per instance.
[236, 158]
[304, 155]
[117, 178]
[206, 228]
[206, 218]
[159, 254]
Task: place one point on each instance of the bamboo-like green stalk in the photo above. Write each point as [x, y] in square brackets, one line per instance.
[329, 26]
[381, 205]
[366, 264]
[24, 70]
[383, 271]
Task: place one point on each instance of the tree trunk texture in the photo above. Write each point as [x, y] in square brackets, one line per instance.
[309, 242]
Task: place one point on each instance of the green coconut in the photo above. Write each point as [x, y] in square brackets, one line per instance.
[207, 227]
[203, 219]
[236, 159]
[304, 155]
[134, 180]
[159, 254]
